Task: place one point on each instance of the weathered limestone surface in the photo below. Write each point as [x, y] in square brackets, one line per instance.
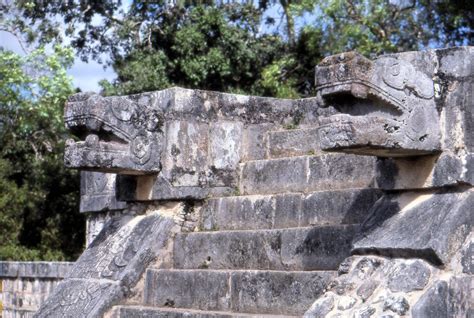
[98, 192]
[240, 291]
[293, 142]
[191, 140]
[34, 269]
[99, 201]
[307, 173]
[24, 286]
[168, 312]
[403, 105]
[310, 248]
[432, 226]
[288, 210]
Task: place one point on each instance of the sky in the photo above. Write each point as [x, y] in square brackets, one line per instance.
[85, 75]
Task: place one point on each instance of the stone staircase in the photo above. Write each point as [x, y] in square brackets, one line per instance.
[270, 250]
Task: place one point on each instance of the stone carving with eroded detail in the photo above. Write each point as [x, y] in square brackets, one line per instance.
[387, 106]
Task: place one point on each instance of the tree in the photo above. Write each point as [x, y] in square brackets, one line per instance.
[215, 48]
[226, 45]
[39, 210]
[369, 27]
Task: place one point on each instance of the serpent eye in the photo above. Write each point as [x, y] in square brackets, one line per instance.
[395, 69]
[140, 148]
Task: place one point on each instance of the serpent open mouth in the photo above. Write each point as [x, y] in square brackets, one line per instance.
[378, 104]
[106, 140]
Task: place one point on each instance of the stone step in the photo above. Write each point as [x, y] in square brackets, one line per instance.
[251, 292]
[305, 248]
[168, 312]
[287, 210]
[307, 174]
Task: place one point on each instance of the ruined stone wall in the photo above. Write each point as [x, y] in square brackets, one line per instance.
[234, 195]
[25, 285]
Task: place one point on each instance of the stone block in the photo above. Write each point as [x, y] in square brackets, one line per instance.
[160, 312]
[185, 154]
[366, 289]
[460, 303]
[467, 259]
[409, 277]
[251, 212]
[431, 226]
[288, 210]
[338, 207]
[336, 171]
[98, 192]
[293, 142]
[205, 290]
[274, 176]
[242, 292]
[255, 140]
[284, 293]
[307, 173]
[35, 269]
[397, 304]
[433, 303]
[458, 98]
[225, 144]
[313, 248]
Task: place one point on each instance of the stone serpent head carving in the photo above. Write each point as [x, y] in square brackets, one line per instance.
[116, 135]
[387, 106]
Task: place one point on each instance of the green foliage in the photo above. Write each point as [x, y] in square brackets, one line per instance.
[275, 80]
[38, 196]
[215, 48]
